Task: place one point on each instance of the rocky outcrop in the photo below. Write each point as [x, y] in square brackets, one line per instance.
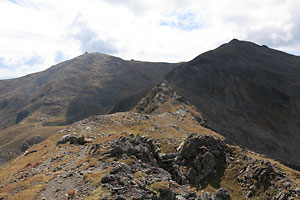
[136, 171]
[73, 139]
[140, 147]
[221, 194]
[161, 94]
[32, 141]
[247, 93]
[260, 175]
[164, 171]
[203, 156]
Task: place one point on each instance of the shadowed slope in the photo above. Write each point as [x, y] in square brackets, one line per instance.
[248, 93]
[77, 88]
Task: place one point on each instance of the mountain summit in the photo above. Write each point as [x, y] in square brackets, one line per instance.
[38, 104]
[249, 94]
[89, 84]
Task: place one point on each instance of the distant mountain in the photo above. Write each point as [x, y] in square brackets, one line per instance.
[40, 104]
[90, 84]
[248, 93]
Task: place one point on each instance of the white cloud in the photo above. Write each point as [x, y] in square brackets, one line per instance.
[170, 30]
[89, 40]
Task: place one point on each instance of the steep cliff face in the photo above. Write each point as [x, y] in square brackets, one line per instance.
[248, 93]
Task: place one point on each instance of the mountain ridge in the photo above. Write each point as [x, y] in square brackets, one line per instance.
[246, 91]
[221, 126]
[165, 154]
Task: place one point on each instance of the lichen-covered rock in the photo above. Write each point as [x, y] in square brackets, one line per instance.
[201, 155]
[140, 147]
[262, 175]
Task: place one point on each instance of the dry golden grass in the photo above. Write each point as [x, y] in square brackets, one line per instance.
[139, 174]
[23, 188]
[128, 161]
[95, 177]
[159, 186]
[30, 193]
[100, 192]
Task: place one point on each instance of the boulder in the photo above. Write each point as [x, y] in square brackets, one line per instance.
[222, 194]
[201, 155]
[140, 147]
[73, 139]
[108, 178]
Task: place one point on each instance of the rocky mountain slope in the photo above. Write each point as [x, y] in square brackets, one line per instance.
[165, 154]
[223, 126]
[90, 84]
[248, 93]
[75, 89]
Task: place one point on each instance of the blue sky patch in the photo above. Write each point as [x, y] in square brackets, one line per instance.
[59, 56]
[15, 2]
[2, 63]
[185, 21]
[34, 60]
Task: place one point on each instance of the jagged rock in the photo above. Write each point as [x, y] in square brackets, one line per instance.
[191, 146]
[201, 154]
[165, 157]
[205, 196]
[32, 141]
[160, 94]
[259, 174]
[281, 196]
[140, 147]
[108, 178]
[222, 194]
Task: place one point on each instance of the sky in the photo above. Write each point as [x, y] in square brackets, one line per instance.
[36, 34]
